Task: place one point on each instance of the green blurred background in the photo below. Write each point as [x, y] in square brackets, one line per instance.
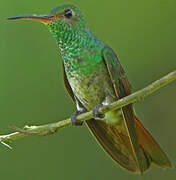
[143, 33]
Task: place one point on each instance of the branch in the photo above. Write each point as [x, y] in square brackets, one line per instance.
[54, 127]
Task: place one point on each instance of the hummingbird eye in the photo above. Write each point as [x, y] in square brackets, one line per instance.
[68, 13]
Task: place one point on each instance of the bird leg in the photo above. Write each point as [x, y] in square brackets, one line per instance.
[80, 110]
[96, 112]
[74, 121]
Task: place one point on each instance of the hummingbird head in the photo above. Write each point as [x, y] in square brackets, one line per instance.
[67, 15]
[66, 19]
[63, 19]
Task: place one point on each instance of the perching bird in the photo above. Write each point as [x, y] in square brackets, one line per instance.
[94, 77]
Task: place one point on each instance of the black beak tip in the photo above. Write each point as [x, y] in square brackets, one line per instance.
[11, 18]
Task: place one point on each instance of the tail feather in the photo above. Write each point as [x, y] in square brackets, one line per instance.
[110, 141]
[116, 143]
[151, 147]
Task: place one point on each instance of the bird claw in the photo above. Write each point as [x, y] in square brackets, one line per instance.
[96, 112]
[74, 121]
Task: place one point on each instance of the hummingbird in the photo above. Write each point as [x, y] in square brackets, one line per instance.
[94, 77]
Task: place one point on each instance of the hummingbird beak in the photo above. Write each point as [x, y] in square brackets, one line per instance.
[35, 18]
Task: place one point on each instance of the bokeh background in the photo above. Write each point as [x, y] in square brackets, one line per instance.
[143, 33]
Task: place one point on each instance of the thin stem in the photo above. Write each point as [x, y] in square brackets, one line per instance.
[51, 128]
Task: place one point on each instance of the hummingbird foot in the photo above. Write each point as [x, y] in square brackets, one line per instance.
[96, 112]
[74, 121]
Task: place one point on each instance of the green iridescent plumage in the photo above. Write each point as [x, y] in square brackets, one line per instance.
[79, 48]
[93, 75]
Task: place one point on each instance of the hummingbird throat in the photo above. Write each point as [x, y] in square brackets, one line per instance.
[80, 51]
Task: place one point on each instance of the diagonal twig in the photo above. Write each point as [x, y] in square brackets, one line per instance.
[51, 128]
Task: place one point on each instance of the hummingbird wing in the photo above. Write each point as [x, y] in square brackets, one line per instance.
[122, 88]
[144, 148]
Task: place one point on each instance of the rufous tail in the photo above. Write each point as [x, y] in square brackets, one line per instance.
[151, 147]
[115, 142]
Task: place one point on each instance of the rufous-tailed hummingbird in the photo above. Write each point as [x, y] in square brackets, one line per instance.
[94, 77]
